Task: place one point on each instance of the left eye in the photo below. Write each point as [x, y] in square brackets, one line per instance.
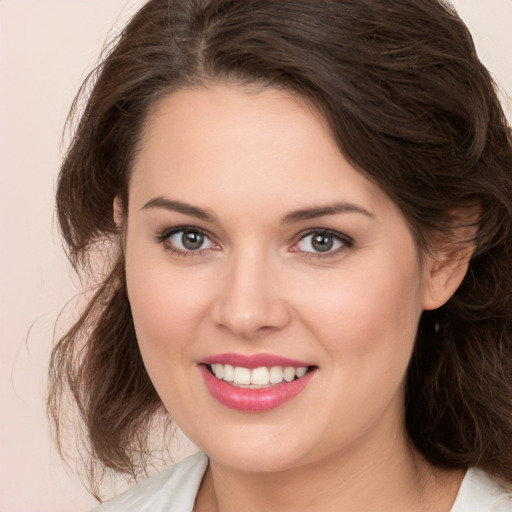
[189, 240]
[320, 242]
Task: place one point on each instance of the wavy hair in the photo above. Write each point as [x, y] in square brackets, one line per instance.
[409, 104]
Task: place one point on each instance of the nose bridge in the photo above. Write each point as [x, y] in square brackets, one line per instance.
[249, 300]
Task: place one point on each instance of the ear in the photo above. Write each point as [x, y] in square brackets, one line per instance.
[118, 211]
[446, 265]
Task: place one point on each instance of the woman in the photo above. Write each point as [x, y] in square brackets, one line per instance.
[307, 206]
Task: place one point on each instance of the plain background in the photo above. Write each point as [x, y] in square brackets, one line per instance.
[46, 49]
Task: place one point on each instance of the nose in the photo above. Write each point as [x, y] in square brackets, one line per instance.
[250, 301]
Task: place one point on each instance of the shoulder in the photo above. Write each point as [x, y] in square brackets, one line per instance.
[172, 490]
[479, 492]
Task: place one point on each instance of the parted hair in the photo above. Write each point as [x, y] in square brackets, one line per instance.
[409, 104]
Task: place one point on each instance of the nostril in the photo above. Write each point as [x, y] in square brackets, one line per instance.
[250, 316]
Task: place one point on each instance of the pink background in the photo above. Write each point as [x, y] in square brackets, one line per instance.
[46, 49]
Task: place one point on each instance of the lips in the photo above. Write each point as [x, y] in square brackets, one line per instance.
[255, 383]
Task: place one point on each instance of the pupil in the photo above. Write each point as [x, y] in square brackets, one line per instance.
[322, 242]
[192, 240]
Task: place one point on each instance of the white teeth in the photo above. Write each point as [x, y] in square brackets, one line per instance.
[242, 375]
[289, 373]
[260, 376]
[276, 375]
[257, 377]
[229, 373]
[218, 370]
[300, 372]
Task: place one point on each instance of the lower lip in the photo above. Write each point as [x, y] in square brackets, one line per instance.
[253, 400]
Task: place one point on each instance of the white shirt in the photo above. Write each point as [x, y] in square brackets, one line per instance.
[175, 489]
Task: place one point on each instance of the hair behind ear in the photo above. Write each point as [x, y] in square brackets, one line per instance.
[459, 388]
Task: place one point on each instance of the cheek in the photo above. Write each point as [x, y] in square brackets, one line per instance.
[164, 304]
[368, 317]
[366, 327]
[165, 319]
[165, 309]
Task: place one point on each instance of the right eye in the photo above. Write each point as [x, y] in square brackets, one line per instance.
[186, 240]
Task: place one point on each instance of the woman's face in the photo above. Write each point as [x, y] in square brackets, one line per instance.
[254, 246]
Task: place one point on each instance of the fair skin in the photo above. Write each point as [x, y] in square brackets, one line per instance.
[294, 254]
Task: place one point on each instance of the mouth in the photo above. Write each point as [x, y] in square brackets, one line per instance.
[246, 383]
[257, 378]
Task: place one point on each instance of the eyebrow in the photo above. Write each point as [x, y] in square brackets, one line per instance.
[320, 211]
[312, 212]
[180, 207]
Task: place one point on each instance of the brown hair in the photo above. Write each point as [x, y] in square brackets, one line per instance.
[410, 105]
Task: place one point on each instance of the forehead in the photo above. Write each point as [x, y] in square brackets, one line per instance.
[224, 142]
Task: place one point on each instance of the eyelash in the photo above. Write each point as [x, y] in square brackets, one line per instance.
[164, 239]
[345, 242]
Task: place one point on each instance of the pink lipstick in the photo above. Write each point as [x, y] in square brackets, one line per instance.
[256, 382]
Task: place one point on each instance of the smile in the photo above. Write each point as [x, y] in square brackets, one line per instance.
[255, 383]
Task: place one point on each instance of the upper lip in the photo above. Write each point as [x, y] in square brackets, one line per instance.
[254, 360]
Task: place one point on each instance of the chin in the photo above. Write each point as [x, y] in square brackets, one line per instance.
[263, 453]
